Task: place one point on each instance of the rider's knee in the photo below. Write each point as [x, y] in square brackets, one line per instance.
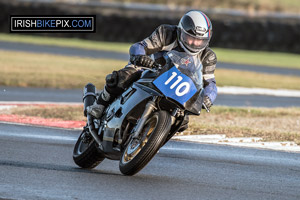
[118, 81]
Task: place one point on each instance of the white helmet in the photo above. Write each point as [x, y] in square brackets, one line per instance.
[194, 32]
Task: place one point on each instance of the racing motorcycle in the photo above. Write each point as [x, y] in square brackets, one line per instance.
[141, 120]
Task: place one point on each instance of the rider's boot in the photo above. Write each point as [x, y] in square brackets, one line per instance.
[97, 109]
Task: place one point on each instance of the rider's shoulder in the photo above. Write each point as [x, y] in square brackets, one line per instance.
[167, 27]
[208, 56]
[208, 53]
[208, 50]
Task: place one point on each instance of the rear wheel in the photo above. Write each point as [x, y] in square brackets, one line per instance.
[139, 152]
[86, 153]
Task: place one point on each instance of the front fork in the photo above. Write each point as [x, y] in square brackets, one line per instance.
[150, 107]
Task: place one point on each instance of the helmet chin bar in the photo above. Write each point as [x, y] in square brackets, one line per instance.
[189, 51]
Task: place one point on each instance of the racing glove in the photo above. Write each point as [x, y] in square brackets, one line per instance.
[142, 60]
[207, 102]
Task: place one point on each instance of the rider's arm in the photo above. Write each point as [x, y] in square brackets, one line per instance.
[209, 61]
[137, 49]
[162, 38]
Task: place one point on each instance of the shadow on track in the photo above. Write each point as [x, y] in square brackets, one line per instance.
[54, 167]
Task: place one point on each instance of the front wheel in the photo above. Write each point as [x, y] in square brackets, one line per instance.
[86, 153]
[139, 152]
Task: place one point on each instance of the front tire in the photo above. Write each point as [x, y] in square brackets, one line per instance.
[86, 154]
[137, 155]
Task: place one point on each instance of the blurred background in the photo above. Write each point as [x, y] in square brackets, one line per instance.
[257, 43]
[271, 25]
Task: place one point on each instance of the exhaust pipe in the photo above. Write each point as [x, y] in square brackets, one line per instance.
[89, 96]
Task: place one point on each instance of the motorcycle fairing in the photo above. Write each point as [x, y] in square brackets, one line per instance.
[116, 114]
[176, 85]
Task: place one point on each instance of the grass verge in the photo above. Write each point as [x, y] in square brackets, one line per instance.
[253, 79]
[67, 42]
[51, 71]
[59, 112]
[224, 55]
[271, 124]
[274, 59]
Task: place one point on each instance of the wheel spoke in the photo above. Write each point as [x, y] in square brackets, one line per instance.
[135, 145]
[153, 135]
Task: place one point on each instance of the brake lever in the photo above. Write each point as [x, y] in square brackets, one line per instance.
[151, 69]
[156, 67]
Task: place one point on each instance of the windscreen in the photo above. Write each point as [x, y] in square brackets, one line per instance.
[188, 65]
[191, 66]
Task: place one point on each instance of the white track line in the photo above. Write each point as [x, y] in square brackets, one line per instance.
[35, 136]
[241, 142]
[258, 91]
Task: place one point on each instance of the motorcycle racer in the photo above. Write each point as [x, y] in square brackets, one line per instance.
[191, 35]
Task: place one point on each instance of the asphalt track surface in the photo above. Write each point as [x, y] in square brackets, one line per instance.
[36, 163]
[68, 51]
[11, 94]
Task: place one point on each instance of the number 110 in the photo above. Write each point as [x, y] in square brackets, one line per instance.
[180, 86]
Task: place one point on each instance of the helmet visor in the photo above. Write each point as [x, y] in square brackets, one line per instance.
[193, 43]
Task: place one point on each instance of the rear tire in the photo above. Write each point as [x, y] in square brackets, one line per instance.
[86, 154]
[136, 156]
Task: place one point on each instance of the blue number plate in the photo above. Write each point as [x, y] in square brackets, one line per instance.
[176, 85]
